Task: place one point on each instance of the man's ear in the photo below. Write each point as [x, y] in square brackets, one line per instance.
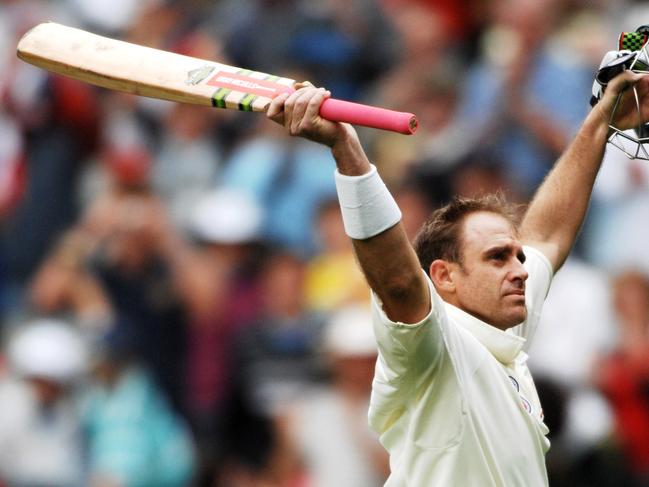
[441, 275]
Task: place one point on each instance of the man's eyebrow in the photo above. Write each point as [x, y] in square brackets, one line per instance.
[498, 248]
[505, 248]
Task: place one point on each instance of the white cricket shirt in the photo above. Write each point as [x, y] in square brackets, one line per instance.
[453, 400]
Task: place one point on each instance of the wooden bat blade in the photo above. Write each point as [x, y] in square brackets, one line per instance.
[132, 68]
[155, 73]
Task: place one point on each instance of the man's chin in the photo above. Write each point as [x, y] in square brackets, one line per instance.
[517, 318]
[517, 315]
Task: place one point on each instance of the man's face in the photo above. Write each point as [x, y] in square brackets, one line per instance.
[490, 282]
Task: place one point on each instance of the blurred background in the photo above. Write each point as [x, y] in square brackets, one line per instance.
[179, 303]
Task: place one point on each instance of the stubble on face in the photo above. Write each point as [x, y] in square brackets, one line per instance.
[491, 277]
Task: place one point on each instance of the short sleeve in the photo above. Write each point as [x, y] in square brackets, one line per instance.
[405, 348]
[540, 276]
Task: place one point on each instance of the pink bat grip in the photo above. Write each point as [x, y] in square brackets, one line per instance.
[368, 116]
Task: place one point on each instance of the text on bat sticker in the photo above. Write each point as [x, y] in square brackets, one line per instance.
[246, 84]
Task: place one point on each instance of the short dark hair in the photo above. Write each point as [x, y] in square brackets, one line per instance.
[440, 237]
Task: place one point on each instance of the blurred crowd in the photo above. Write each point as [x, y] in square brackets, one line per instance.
[179, 303]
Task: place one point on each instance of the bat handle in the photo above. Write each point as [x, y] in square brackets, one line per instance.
[368, 116]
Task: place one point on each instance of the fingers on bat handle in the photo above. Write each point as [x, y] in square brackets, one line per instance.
[368, 116]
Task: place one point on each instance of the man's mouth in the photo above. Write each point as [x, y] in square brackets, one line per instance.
[516, 292]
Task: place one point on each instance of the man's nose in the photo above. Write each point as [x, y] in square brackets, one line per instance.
[518, 271]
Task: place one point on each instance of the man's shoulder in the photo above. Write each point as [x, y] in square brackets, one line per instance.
[535, 258]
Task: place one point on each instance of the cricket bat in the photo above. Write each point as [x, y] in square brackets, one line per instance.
[155, 73]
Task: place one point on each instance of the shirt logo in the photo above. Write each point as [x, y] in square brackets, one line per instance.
[526, 405]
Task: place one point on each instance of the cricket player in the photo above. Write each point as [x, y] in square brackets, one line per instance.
[453, 400]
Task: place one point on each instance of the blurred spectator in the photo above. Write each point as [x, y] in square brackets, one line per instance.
[56, 149]
[107, 18]
[63, 286]
[216, 281]
[429, 58]
[134, 438]
[188, 160]
[345, 45]
[576, 327]
[12, 165]
[415, 207]
[123, 230]
[333, 278]
[474, 174]
[528, 91]
[459, 19]
[327, 429]
[580, 297]
[623, 374]
[260, 33]
[163, 24]
[289, 178]
[276, 361]
[187, 164]
[612, 237]
[41, 441]
[55, 124]
[481, 173]
[125, 155]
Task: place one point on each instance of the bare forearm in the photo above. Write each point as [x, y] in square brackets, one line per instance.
[558, 209]
[387, 259]
[349, 155]
[392, 271]
[369, 212]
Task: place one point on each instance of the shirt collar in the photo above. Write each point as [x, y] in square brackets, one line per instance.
[503, 345]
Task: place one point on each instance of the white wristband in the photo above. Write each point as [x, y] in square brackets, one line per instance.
[367, 206]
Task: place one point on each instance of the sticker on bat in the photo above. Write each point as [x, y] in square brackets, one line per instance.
[246, 84]
[197, 75]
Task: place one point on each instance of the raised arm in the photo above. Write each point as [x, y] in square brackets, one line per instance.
[559, 207]
[386, 258]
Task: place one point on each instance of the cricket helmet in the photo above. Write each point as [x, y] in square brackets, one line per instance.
[634, 55]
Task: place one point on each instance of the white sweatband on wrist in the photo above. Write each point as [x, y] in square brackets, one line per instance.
[367, 206]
